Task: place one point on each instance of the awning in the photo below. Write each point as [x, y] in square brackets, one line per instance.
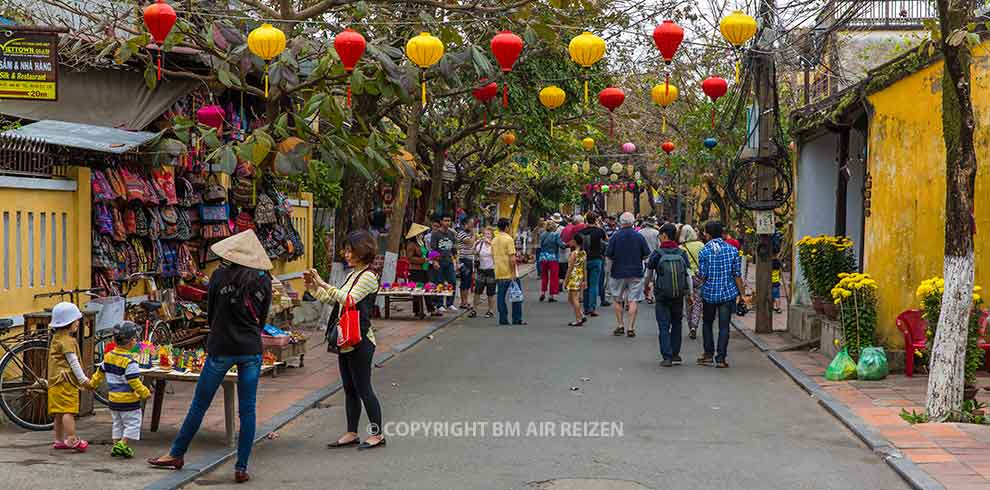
[112, 98]
[82, 136]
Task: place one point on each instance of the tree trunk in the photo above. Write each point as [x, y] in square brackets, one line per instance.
[436, 179]
[403, 189]
[946, 378]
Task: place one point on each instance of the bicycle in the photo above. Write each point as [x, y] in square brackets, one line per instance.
[24, 378]
[156, 330]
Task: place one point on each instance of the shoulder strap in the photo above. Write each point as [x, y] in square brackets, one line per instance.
[694, 259]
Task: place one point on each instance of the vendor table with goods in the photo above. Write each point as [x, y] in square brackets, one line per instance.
[161, 376]
[408, 294]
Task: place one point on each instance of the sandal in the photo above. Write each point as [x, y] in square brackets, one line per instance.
[576, 324]
[489, 315]
[472, 313]
[79, 445]
[630, 333]
[619, 331]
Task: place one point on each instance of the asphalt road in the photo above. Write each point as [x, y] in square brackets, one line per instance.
[747, 427]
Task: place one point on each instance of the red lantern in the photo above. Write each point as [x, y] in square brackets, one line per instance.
[714, 87]
[159, 18]
[484, 94]
[598, 187]
[506, 47]
[349, 46]
[212, 116]
[668, 36]
[668, 148]
[611, 98]
[631, 186]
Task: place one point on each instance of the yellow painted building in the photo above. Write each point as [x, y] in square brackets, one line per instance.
[894, 188]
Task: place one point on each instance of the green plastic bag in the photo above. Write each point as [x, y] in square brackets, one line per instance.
[872, 364]
[841, 368]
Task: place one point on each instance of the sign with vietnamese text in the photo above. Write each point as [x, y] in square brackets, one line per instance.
[764, 223]
[29, 66]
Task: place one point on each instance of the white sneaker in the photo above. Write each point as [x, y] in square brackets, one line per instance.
[452, 308]
[441, 309]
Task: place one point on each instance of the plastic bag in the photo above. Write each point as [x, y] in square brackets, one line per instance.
[841, 368]
[515, 293]
[872, 364]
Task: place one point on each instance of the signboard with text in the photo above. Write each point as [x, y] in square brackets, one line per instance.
[29, 66]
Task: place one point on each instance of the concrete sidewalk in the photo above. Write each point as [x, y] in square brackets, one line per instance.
[951, 456]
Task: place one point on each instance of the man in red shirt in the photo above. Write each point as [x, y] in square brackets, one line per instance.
[575, 226]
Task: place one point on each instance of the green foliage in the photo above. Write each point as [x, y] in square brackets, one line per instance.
[822, 259]
[914, 417]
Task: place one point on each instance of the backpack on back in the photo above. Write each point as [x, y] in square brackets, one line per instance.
[672, 276]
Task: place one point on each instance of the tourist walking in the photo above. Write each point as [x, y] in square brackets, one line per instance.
[355, 363]
[671, 284]
[627, 250]
[594, 247]
[718, 266]
[419, 267]
[563, 252]
[506, 274]
[466, 257]
[238, 300]
[652, 236]
[485, 279]
[547, 261]
[610, 225]
[577, 280]
[692, 246]
[444, 241]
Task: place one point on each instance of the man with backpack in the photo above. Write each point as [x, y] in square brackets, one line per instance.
[669, 265]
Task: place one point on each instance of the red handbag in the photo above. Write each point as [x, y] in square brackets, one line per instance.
[350, 325]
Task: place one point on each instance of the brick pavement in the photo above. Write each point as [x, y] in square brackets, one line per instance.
[957, 455]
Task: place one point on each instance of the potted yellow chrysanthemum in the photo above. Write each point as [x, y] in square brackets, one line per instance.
[822, 259]
[856, 296]
[929, 294]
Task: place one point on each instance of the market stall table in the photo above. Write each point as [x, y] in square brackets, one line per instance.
[161, 377]
[406, 295]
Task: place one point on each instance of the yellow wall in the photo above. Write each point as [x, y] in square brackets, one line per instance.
[905, 236]
[505, 203]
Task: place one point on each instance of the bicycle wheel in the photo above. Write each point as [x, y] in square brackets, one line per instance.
[102, 341]
[24, 385]
[160, 333]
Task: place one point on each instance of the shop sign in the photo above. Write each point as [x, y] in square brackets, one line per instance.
[29, 66]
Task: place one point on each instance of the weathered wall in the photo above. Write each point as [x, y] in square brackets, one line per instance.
[904, 237]
[815, 180]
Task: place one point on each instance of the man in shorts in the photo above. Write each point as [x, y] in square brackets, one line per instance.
[627, 250]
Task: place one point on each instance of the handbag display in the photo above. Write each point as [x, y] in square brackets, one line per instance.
[215, 193]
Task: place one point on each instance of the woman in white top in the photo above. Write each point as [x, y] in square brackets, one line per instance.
[485, 279]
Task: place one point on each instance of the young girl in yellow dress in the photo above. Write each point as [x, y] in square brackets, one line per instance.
[577, 278]
[65, 376]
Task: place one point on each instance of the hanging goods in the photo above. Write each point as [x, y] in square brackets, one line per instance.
[509, 138]
[586, 49]
[349, 46]
[425, 50]
[266, 42]
[506, 47]
[668, 147]
[159, 18]
[552, 97]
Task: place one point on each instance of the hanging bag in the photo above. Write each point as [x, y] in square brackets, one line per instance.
[215, 192]
[334, 328]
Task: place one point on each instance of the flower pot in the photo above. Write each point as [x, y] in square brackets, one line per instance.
[830, 310]
[818, 305]
[969, 392]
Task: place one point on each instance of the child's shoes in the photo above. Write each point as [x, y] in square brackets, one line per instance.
[79, 445]
[121, 450]
[60, 445]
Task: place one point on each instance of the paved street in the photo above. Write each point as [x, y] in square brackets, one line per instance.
[748, 427]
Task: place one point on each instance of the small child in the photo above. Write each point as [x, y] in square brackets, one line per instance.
[123, 379]
[65, 376]
[576, 281]
[775, 277]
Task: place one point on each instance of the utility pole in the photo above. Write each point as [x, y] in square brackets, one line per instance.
[763, 61]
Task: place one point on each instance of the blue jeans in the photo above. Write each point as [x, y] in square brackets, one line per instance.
[503, 288]
[670, 312]
[594, 284]
[449, 276]
[724, 312]
[214, 370]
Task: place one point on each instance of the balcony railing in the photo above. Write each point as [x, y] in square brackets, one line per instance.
[883, 14]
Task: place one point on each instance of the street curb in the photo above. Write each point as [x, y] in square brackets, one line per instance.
[905, 468]
[756, 341]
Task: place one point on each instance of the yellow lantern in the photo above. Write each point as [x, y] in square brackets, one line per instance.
[587, 166]
[425, 50]
[575, 168]
[588, 144]
[664, 95]
[509, 138]
[616, 167]
[552, 97]
[586, 50]
[737, 28]
[266, 42]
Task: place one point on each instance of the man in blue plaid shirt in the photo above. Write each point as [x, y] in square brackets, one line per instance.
[718, 266]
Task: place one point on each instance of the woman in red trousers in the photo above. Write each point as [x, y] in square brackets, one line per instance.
[549, 267]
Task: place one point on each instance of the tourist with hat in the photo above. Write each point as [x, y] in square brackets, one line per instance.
[65, 376]
[239, 297]
[416, 252]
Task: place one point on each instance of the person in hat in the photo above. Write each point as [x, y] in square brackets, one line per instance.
[65, 376]
[239, 297]
[419, 267]
[125, 389]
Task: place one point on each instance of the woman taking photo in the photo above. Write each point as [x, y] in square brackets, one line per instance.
[416, 253]
[355, 363]
[484, 281]
[239, 296]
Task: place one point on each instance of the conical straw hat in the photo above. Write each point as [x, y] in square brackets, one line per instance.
[245, 249]
[415, 229]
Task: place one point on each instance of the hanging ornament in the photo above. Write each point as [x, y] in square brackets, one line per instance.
[586, 166]
[714, 87]
[663, 96]
[639, 182]
[668, 148]
[737, 28]
[349, 46]
[425, 50]
[159, 18]
[509, 138]
[588, 144]
[211, 115]
[586, 49]
[667, 37]
[628, 148]
[598, 187]
[637, 175]
[611, 98]
[266, 42]
[603, 170]
[616, 167]
[605, 188]
[631, 186]
[484, 94]
[552, 97]
[506, 47]
[710, 143]
[613, 178]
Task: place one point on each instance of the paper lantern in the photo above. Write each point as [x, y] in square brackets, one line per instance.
[613, 178]
[710, 143]
[611, 98]
[628, 148]
[266, 42]
[586, 166]
[159, 18]
[616, 167]
[586, 49]
[605, 188]
[484, 94]
[598, 187]
[588, 144]
[668, 147]
[509, 138]
[212, 116]
[603, 170]
[637, 176]
[425, 50]
[349, 46]
[714, 87]
[631, 186]
[552, 97]
[639, 181]
[664, 95]
[668, 36]
[737, 28]
[506, 47]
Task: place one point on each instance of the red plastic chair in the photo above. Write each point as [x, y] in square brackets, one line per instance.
[913, 326]
[984, 342]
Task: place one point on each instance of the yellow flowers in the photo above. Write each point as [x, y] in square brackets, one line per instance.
[838, 242]
[852, 283]
[929, 287]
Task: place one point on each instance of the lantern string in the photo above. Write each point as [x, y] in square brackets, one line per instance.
[160, 54]
[266, 79]
[505, 94]
[348, 94]
[423, 86]
[586, 92]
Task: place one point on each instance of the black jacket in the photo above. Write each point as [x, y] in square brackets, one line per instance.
[239, 299]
